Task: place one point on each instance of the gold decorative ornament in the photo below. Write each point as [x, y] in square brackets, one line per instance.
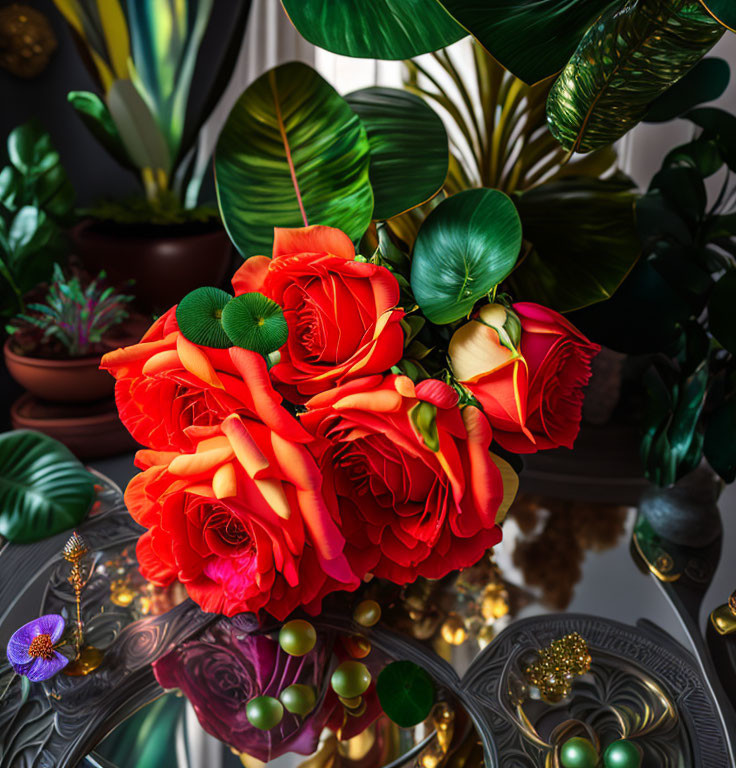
[435, 753]
[557, 667]
[74, 552]
[26, 40]
[723, 618]
[453, 630]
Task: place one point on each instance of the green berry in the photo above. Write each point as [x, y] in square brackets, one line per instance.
[297, 637]
[578, 753]
[622, 754]
[298, 699]
[264, 712]
[351, 679]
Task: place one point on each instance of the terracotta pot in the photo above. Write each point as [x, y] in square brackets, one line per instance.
[60, 381]
[165, 262]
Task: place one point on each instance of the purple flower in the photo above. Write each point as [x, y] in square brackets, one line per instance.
[31, 648]
[227, 666]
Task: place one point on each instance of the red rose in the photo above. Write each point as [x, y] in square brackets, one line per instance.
[240, 521]
[342, 314]
[408, 510]
[531, 388]
[165, 384]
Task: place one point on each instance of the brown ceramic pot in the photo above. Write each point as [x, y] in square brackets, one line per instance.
[60, 381]
[164, 264]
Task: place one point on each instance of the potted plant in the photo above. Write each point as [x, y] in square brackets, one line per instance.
[164, 240]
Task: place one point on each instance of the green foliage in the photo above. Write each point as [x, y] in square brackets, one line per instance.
[406, 692]
[253, 321]
[625, 61]
[77, 316]
[199, 315]
[292, 151]
[43, 489]
[722, 10]
[408, 145]
[36, 202]
[466, 246]
[374, 29]
[164, 211]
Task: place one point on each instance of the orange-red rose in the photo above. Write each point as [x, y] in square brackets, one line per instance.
[166, 384]
[342, 314]
[240, 521]
[408, 510]
[531, 391]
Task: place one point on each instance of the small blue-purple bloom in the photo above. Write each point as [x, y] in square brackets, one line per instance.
[31, 649]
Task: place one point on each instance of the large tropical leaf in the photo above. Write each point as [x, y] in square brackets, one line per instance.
[531, 38]
[584, 238]
[97, 118]
[292, 152]
[624, 62]
[409, 151]
[374, 29]
[43, 488]
[466, 246]
[722, 10]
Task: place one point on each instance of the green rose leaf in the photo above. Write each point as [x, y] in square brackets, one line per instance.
[374, 29]
[706, 81]
[626, 60]
[291, 149]
[253, 321]
[409, 149]
[406, 693]
[199, 316]
[533, 40]
[465, 247]
[722, 311]
[43, 488]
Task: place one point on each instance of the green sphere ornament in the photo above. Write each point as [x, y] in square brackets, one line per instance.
[297, 637]
[264, 712]
[298, 699]
[351, 679]
[578, 753]
[367, 613]
[622, 754]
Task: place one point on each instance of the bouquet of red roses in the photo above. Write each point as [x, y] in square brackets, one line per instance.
[322, 425]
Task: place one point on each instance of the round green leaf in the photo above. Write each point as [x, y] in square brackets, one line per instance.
[533, 40]
[253, 321]
[406, 693]
[409, 149]
[374, 29]
[199, 315]
[723, 11]
[706, 81]
[465, 247]
[291, 141]
[722, 311]
[43, 488]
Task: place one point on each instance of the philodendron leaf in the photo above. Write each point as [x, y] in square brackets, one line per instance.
[706, 81]
[723, 11]
[291, 151]
[533, 40]
[43, 488]
[374, 29]
[722, 311]
[625, 61]
[409, 149]
[585, 241]
[465, 247]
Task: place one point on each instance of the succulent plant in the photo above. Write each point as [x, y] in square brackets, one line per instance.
[75, 314]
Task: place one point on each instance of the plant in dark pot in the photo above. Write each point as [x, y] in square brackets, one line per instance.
[53, 351]
[146, 58]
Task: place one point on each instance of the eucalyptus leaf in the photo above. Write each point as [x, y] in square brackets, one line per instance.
[624, 62]
[43, 488]
[374, 29]
[531, 39]
[722, 311]
[465, 247]
[409, 149]
[706, 81]
[291, 152]
[584, 238]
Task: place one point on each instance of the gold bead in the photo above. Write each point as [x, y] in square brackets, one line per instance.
[367, 613]
[453, 630]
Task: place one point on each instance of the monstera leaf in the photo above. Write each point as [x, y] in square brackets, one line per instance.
[584, 238]
[409, 149]
[292, 152]
[624, 62]
[374, 29]
[466, 246]
[722, 10]
[531, 39]
[43, 488]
